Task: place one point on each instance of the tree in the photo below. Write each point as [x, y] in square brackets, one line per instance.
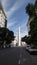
[2, 35]
[26, 39]
[32, 12]
[33, 30]
[6, 36]
[9, 36]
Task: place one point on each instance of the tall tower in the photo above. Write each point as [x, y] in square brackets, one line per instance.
[19, 38]
[3, 21]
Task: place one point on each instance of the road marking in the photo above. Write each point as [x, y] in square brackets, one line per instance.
[19, 61]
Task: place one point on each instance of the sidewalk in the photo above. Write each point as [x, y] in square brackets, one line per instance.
[34, 59]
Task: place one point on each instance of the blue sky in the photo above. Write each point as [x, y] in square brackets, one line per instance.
[16, 15]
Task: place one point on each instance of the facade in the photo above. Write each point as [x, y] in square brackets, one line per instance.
[3, 21]
[23, 44]
[13, 43]
[3, 24]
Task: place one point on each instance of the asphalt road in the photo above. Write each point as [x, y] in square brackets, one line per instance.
[15, 56]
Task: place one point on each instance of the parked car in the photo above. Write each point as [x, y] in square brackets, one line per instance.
[32, 50]
[27, 47]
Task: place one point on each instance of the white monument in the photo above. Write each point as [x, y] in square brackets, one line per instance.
[19, 37]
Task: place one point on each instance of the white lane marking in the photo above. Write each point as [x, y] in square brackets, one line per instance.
[19, 61]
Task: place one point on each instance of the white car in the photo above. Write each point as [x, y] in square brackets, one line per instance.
[27, 47]
[32, 50]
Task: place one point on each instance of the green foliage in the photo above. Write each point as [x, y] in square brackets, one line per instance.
[2, 35]
[16, 44]
[33, 30]
[26, 39]
[9, 36]
[6, 36]
[31, 10]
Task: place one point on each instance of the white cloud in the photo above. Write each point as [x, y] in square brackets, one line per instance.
[5, 2]
[11, 11]
[15, 7]
[24, 24]
[24, 33]
[11, 23]
[23, 29]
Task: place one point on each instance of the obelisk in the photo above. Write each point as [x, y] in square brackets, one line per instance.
[19, 38]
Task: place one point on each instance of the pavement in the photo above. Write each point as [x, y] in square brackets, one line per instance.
[16, 56]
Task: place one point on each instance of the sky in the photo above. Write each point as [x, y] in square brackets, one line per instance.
[16, 15]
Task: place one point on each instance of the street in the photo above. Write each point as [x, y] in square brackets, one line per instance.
[15, 56]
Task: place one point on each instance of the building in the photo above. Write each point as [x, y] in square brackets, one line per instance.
[14, 43]
[3, 21]
[23, 43]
